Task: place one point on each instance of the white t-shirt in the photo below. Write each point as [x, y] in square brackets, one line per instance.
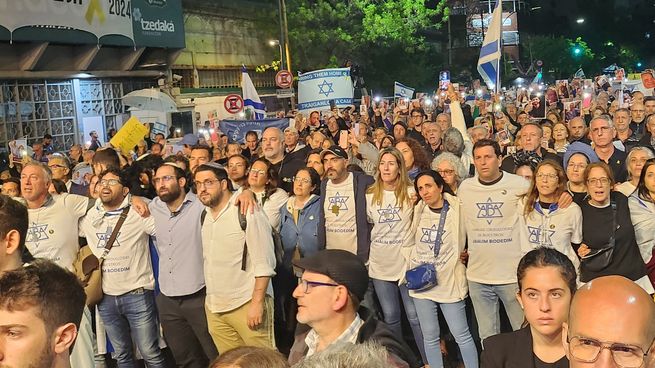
[489, 212]
[272, 206]
[340, 219]
[451, 272]
[127, 266]
[555, 228]
[53, 229]
[391, 230]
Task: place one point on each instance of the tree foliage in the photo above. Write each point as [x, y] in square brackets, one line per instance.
[376, 34]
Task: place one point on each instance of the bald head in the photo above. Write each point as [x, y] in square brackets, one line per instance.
[612, 309]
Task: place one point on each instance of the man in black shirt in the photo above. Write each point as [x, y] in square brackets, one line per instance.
[602, 135]
[531, 135]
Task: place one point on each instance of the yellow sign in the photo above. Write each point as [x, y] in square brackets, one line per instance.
[129, 135]
[95, 8]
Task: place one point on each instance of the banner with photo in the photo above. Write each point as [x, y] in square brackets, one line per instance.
[236, 129]
[319, 89]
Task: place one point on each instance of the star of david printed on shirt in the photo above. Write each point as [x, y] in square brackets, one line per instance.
[389, 215]
[103, 237]
[338, 203]
[541, 236]
[430, 235]
[325, 88]
[489, 210]
[36, 233]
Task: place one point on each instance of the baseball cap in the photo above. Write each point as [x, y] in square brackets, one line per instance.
[335, 150]
[343, 267]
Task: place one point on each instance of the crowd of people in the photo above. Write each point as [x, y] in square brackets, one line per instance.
[419, 230]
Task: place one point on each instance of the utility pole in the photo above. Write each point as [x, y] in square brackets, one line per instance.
[282, 39]
[285, 31]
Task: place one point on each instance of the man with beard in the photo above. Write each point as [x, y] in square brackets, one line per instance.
[638, 112]
[286, 165]
[181, 303]
[128, 306]
[40, 312]
[238, 265]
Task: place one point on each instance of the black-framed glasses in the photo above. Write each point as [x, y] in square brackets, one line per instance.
[305, 284]
[587, 350]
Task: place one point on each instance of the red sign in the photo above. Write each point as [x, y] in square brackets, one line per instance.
[284, 79]
[233, 103]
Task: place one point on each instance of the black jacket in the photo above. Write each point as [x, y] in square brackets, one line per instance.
[509, 350]
[288, 167]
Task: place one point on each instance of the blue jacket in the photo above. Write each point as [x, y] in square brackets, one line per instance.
[304, 234]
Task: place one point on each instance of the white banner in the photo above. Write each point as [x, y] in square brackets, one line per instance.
[316, 89]
[402, 91]
[99, 17]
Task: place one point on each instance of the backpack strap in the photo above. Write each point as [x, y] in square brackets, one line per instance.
[243, 223]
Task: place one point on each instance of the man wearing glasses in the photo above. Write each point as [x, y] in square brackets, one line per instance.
[128, 306]
[238, 265]
[181, 303]
[415, 124]
[611, 324]
[332, 284]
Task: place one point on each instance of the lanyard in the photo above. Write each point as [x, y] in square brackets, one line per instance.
[442, 223]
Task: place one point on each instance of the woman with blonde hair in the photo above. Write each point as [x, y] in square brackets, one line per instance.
[389, 208]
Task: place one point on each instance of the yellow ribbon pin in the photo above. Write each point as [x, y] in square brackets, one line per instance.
[95, 8]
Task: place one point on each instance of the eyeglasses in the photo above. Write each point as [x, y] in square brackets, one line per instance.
[301, 180]
[446, 172]
[546, 176]
[305, 284]
[587, 350]
[55, 166]
[109, 182]
[596, 181]
[206, 183]
[165, 178]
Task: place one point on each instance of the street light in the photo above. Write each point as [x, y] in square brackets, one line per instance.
[579, 20]
[277, 43]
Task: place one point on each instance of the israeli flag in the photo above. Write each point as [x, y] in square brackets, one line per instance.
[318, 88]
[579, 74]
[490, 53]
[402, 91]
[251, 99]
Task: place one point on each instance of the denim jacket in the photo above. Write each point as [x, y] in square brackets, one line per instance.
[304, 234]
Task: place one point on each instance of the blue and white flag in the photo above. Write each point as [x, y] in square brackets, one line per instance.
[490, 53]
[316, 89]
[251, 99]
[579, 74]
[402, 91]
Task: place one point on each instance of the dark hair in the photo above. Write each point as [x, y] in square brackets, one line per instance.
[178, 158]
[250, 357]
[107, 157]
[59, 185]
[543, 257]
[252, 132]
[314, 177]
[421, 158]
[55, 293]
[244, 158]
[438, 179]
[354, 168]
[219, 173]
[642, 191]
[315, 151]
[13, 180]
[485, 142]
[203, 147]
[122, 176]
[271, 174]
[13, 216]
[47, 136]
[157, 144]
[419, 110]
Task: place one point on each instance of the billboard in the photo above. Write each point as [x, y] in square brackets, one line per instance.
[476, 22]
[153, 23]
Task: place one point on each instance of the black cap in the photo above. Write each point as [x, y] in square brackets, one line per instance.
[341, 266]
[335, 150]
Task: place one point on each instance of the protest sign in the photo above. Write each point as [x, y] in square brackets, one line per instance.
[236, 129]
[129, 135]
[316, 89]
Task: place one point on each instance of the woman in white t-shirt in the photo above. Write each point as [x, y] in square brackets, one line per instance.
[389, 209]
[263, 182]
[544, 223]
[440, 246]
